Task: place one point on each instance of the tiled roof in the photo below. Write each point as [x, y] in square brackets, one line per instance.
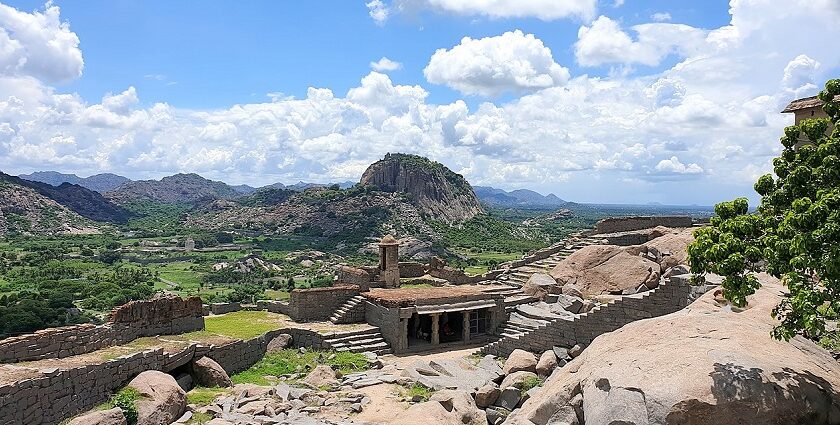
[804, 103]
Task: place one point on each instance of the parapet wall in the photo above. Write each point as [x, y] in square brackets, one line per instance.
[665, 299]
[49, 396]
[159, 316]
[319, 303]
[353, 276]
[626, 224]
[411, 269]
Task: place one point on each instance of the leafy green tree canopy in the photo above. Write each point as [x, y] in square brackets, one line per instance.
[795, 232]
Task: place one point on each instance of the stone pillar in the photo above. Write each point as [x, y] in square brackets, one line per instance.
[403, 334]
[435, 328]
[389, 257]
[466, 325]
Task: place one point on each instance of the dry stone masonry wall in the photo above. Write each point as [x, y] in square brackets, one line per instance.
[626, 224]
[319, 303]
[159, 316]
[665, 299]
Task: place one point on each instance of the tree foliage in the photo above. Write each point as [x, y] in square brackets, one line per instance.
[795, 232]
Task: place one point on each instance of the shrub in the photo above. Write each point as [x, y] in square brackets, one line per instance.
[126, 399]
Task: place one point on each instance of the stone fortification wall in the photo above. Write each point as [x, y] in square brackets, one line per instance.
[626, 224]
[319, 303]
[353, 276]
[411, 269]
[388, 321]
[665, 299]
[49, 396]
[159, 316]
[222, 308]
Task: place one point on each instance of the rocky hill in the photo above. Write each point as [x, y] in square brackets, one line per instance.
[85, 202]
[179, 188]
[98, 182]
[437, 191]
[24, 211]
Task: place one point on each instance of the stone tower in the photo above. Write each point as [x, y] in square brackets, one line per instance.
[389, 257]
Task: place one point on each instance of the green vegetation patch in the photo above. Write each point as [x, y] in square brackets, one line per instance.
[126, 399]
[291, 361]
[417, 392]
[531, 382]
[244, 324]
[202, 396]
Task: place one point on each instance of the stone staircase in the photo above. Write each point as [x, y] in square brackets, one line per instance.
[352, 311]
[518, 276]
[369, 339]
[530, 331]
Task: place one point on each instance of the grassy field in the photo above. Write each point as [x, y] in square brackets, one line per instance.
[492, 256]
[276, 295]
[291, 361]
[244, 324]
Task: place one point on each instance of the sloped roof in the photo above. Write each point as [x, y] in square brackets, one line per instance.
[388, 240]
[804, 103]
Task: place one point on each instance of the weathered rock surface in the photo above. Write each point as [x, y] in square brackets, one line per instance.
[103, 417]
[449, 374]
[487, 395]
[279, 343]
[546, 363]
[435, 189]
[207, 373]
[540, 285]
[517, 379]
[162, 402]
[444, 407]
[322, 376]
[606, 269]
[520, 360]
[705, 364]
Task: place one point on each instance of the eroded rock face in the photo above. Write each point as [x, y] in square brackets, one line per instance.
[207, 373]
[606, 269]
[279, 343]
[323, 376]
[104, 417]
[162, 402]
[444, 407]
[702, 365]
[437, 190]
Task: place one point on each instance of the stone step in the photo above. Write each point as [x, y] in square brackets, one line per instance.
[344, 339]
[537, 313]
[522, 320]
[363, 331]
[366, 347]
[357, 342]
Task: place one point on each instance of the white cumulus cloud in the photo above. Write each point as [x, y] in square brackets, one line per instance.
[511, 62]
[673, 165]
[378, 11]
[661, 17]
[38, 44]
[384, 64]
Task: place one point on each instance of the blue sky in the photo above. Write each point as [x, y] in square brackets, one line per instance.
[596, 101]
[217, 54]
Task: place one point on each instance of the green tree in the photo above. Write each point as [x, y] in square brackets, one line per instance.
[793, 235]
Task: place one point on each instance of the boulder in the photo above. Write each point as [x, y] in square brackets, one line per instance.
[449, 374]
[162, 401]
[517, 379]
[103, 417]
[520, 360]
[708, 364]
[279, 343]
[540, 285]
[672, 247]
[570, 303]
[444, 407]
[561, 353]
[546, 363]
[575, 351]
[606, 269]
[509, 398]
[207, 373]
[323, 376]
[496, 415]
[572, 290]
[487, 395]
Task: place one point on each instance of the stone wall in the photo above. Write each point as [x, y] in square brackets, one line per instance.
[222, 308]
[49, 396]
[665, 299]
[353, 276]
[159, 316]
[411, 269]
[388, 321]
[319, 303]
[626, 224]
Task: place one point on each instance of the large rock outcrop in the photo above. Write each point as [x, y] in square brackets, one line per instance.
[606, 269]
[444, 407]
[435, 189]
[706, 364]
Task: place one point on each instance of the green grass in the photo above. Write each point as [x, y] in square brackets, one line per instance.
[276, 295]
[417, 285]
[126, 399]
[831, 341]
[199, 418]
[490, 255]
[417, 389]
[243, 324]
[180, 273]
[202, 396]
[476, 270]
[291, 361]
[531, 382]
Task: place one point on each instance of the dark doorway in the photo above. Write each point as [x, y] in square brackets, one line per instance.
[452, 326]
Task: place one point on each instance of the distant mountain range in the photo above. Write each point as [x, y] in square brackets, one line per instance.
[516, 198]
[99, 182]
